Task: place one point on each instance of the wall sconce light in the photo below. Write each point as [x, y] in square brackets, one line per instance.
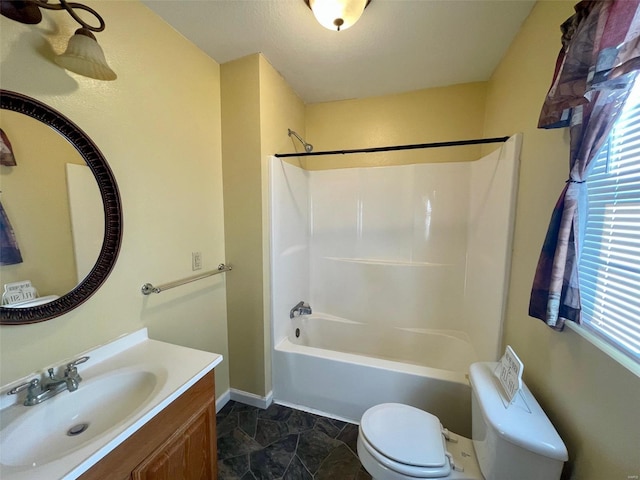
[83, 55]
[337, 14]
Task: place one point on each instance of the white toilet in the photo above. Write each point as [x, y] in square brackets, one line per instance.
[509, 442]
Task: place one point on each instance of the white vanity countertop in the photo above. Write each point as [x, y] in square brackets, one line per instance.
[176, 369]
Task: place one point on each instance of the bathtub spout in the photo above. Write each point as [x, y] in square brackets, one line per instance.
[302, 308]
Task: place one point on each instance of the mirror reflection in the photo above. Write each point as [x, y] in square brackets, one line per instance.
[61, 216]
[52, 203]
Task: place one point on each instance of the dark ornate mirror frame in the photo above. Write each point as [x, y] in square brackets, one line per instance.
[110, 199]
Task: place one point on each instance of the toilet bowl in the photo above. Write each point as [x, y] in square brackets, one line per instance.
[400, 442]
[510, 439]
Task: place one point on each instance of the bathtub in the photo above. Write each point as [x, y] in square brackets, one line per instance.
[341, 368]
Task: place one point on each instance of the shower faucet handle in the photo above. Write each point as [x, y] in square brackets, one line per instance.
[302, 308]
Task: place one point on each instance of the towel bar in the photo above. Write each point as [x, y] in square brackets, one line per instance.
[148, 289]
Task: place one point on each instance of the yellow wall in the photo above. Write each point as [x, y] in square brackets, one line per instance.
[430, 115]
[243, 212]
[159, 126]
[592, 400]
[257, 108]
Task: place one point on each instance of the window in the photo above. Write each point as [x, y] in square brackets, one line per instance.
[609, 266]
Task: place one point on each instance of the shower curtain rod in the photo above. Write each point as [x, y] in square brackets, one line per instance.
[396, 147]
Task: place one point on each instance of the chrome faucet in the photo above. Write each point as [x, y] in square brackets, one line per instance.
[49, 386]
[302, 308]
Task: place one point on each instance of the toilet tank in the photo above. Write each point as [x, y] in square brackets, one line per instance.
[515, 441]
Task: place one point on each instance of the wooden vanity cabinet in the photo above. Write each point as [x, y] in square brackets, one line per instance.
[177, 444]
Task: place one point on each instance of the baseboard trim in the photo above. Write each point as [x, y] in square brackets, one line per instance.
[222, 400]
[314, 411]
[251, 398]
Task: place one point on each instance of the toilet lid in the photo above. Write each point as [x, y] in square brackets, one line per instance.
[405, 434]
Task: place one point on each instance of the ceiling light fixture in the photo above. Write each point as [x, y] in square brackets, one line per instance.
[83, 55]
[337, 14]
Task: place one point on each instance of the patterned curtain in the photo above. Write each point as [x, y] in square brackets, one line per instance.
[594, 73]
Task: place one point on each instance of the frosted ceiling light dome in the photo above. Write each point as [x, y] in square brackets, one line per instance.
[337, 14]
[85, 57]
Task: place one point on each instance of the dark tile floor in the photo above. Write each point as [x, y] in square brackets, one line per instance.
[283, 443]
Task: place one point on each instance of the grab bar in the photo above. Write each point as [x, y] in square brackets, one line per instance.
[148, 289]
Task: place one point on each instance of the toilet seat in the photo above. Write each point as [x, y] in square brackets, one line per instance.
[406, 440]
[407, 471]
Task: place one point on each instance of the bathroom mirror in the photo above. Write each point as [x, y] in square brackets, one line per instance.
[37, 123]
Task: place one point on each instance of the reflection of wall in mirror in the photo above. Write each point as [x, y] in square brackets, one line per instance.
[34, 195]
[87, 217]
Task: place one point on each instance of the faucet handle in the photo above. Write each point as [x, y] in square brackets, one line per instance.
[23, 386]
[77, 362]
[71, 373]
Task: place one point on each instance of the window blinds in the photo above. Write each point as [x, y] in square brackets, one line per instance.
[609, 268]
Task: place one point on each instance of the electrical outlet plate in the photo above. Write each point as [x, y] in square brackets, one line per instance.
[196, 260]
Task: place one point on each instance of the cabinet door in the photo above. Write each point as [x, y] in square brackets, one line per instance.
[189, 454]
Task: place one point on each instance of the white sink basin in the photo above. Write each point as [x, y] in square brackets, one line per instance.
[36, 435]
[125, 384]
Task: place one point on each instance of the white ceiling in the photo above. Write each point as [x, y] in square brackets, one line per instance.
[397, 46]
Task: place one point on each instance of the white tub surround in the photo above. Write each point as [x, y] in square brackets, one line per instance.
[345, 385]
[174, 370]
[447, 350]
[343, 368]
[412, 261]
